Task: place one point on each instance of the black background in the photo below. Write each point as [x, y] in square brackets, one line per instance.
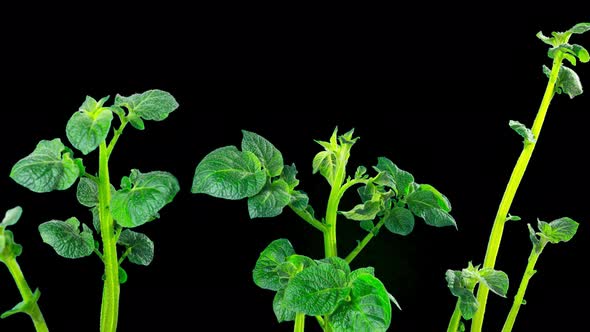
[448, 86]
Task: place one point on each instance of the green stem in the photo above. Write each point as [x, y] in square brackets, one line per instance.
[125, 254]
[117, 133]
[528, 274]
[330, 246]
[110, 297]
[299, 322]
[364, 242]
[349, 184]
[455, 319]
[510, 192]
[27, 295]
[309, 218]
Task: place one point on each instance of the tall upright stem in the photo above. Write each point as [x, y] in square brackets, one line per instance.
[510, 192]
[110, 297]
[330, 246]
[299, 322]
[27, 294]
[455, 319]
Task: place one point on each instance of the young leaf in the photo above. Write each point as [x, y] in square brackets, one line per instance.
[122, 276]
[229, 173]
[151, 105]
[369, 308]
[467, 304]
[568, 82]
[535, 239]
[270, 201]
[367, 192]
[87, 192]
[325, 163]
[366, 211]
[270, 158]
[356, 273]
[89, 127]
[49, 167]
[424, 204]
[150, 192]
[282, 312]
[140, 246]
[66, 239]
[513, 218]
[580, 28]
[265, 272]
[316, 290]
[523, 131]
[559, 230]
[338, 263]
[289, 175]
[8, 248]
[399, 221]
[299, 199]
[581, 53]
[400, 178]
[360, 172]
[136, 121]
[443, 201]
[496, 281]
[367, 225]
[11, 217]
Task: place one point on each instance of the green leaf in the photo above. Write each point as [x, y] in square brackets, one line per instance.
[367, 192]
[87, 192]
[360, 172]
[150, 192]
[443, 201]
[95, 219]
[270, 158]
[559, 230]
[229, 173]
[545, 39]
[8, 248]
[424, 204]
[366, 211]
[367, 225]
[568, 82]
[282, 312]
[496, 281]
[523, 131]
[49, 167]
[136, 121]
[400, 178]
[461, 287]
[369, 308]
[325, 163]
[265, 273]
[580, 28]
[66, 239]
[534, 239]
[289, 175]
[11, 217]
[25, 307]
[151, 105]
[299, 199]
[468, 304]
[355, 274]
[513, 218]
[270, 201]
[399, 220]
[338, 263]
[89, 127]
[140, 246]
[122, 276]
[581, 53]
[317, 290]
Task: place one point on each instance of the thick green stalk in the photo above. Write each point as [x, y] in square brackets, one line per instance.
[330, 246]
[27, 294]
[110, 297]
[510, 192]
[299, 322]
[528, 274]
[455, 319]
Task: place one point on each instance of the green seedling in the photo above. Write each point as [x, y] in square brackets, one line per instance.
[328, 289]
[9, 251]
[562, 80]
[52, 166]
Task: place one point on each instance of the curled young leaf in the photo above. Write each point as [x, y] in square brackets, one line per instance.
[151, 105]
[365, 211]
[141, 248]
[399, 177]
[49, 167]
[523, 131]
[89, 127]
[11, 217]
[559, 230]
[229, 173]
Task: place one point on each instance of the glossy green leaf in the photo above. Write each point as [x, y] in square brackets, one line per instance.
[443, 201]
[66, 238]
[229, 173]
[425, 205]
[399, 221]
[265, 273]
[369, 308]
[141, 248]
[49, 167]
[270, 201]
[150, 192]
[90, 126]
[325, 163]
[496, 281]
[122, 276]
[11, 217]
[366, 211]
[559, 230]
[400, 178]
[151, 105]
[523, 131]
[317, 290]
[136, 121]
[282, 312]
[581, 53]
[289, 175]
[270, 157]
